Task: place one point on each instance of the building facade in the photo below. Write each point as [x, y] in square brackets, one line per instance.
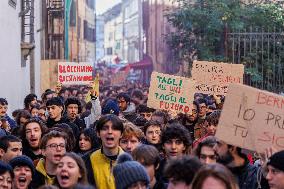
[100, 50]
[20, 36]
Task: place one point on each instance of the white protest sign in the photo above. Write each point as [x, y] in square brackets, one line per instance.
[72, 73]
[214, 77]
[252, 119]
[169, 92]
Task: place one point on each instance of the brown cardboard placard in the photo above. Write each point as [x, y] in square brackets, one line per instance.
[169, 92]
[252, 119]
[214, 77]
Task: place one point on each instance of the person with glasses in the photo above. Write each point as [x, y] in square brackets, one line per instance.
[275, 171]
[152, 131]
[53, 147]
[205, 150]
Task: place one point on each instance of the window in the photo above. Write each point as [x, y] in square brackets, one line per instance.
[13, 3]
[109, 51]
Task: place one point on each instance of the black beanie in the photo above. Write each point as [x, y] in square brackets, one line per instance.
[22, 161]
[127, 172]
[276, 160]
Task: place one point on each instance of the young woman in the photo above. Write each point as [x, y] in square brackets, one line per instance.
[71, 171]
[88, 141]
[6, 176]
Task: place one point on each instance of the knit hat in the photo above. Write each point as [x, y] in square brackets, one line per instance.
[127, 172]
[276, 160]
[111, 107]
[55, 101]
[22, 161]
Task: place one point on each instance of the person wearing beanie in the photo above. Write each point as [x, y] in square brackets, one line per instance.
[275, 175]
[23, 169]
[110, 107]
[129, 173]
[6, 174]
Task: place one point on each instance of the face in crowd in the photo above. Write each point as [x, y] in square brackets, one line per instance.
[275, 178]
[22, 177]
[153, 134]
[3, 110]
[6, 180]
[222, 150]
[68, 172]
[54, 111]
[207, 155]
[42, 114]
[202, 110]
[84, 143]
[193, 114]
[110, 137]
[33, 134]
[54, 150]
[72, 111]
[14, 149]
[146, 115]
[128, 144]
[174, 148]
[122, 104]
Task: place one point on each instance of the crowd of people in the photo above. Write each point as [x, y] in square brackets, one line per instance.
[75, 137]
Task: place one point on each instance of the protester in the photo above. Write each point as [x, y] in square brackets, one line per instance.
[205, 150]
[53, 147]
[275, 171]
[35, 110]
[130, 174]
[152, 131]
[202, 106]
[238, 163]
[109, 129]
[29, 101]
[71, 171]
[88, 141]
[42, 113]
[145, 111]
[181, 171]
[3, 113]
[6, 176]
[32, 134]
[149, 157]
[10, 147]
[127, 108]
[24, 170]
[214, 176]
[131, 137]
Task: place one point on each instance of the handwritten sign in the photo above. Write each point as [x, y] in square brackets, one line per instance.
[71, 73]
[252, 119]
[173, 93]
[214, 77]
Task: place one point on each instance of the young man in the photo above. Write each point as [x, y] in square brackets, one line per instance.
[127, 108]
[30, 99]
[149, 157]
[275, 174]
[3, 113]
[238, 163]
[101, 162]
[10, 147]
[73, 110]
[32, 133]
[53, 147]
[24, 169]
[152, 131]
[131, 137]
[181, 172]
[145, 111]
[202, 106]
[205, 150]
[55, 108]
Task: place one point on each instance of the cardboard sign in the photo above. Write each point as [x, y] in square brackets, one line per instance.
[72, 73]
[252, 119]
[169, 92]
[96, 88]
[214, 77]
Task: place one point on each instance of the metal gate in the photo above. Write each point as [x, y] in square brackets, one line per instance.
[262, 53]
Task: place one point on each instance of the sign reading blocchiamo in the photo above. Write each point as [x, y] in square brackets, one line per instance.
[169, 92]
[214, 77]
[252, 119]
[72, 73]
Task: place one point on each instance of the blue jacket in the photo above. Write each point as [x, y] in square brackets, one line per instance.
[12, 122]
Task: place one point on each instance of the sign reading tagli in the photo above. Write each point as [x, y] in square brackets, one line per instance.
[169, 92]
[252, 119]
[72, 73]
[214, 77]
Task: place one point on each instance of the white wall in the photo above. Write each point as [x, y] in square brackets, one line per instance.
[15, 80]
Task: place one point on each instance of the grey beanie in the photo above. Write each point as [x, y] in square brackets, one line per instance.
[127, 172]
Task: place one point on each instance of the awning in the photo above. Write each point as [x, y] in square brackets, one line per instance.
[145, 63]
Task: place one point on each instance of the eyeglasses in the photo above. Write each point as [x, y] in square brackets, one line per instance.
[55, 146]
